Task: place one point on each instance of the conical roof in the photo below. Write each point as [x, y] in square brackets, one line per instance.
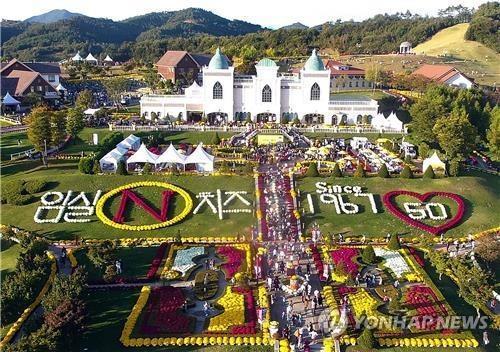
[314, 63]
[199, 156]
[218, 61]
[10, 100]
[90, 57]
[108, 59]
[77, 57]
[143, 155]
[60, 87]
[171, 155]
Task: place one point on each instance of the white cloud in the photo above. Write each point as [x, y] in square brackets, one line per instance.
[268, 13]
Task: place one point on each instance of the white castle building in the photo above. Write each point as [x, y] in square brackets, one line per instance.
[265, 97]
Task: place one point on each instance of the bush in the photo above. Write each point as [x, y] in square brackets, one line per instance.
[85, 165]
[366, 339]
[16, 186]
[360, 171]
[96, 169]
[18, 199]
[121, 168]
[296, 121]
[248, 168]
[429, 172]
[35, 186]
[454, 168]
[383, 172]
[394, 243]
[208, 291]
[395, 305]
[368, 255]
[109, 273]
[406, 172]
[423, 150]
[147, 169]
[312, 171]
[336, 171]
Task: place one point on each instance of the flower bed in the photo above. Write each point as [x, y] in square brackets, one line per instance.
[183, 261]
[155, 264]
[317, 260]
[249, 327]
[393, 260]
[416, 256]
[424, 300]
[346, 255]
[162, 313]
[233, 304]
[234, 260]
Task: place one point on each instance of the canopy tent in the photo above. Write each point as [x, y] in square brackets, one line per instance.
[60, 88]
[9, 100]
[171, 156]
[77, 57]
[109, 162]
[108, 59]
[131, 142]
[435, 162]
[393, 122]
[91, 111]
[142, 155]
[203, 161]
[91, 57]
[378, 121]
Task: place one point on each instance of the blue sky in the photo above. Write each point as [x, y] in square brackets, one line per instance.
[269, 13]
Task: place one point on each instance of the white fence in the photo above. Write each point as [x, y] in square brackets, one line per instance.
[12, 121]
[22, 154]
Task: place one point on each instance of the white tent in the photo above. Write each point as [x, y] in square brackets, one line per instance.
[378, 121]
[142, 155]
[60, 88]
[77, 57]
[171, 156]
[109, 162]
[435, 162]
[131, 142]
[9, 100]
[393, 122]
[204, 162]
[91, 58]
[108, 59]
[90, 111]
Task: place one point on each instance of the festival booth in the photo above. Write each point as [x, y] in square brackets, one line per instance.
[77, 57]
[91, 112]
[132, 142]
[393, 122]
[142, 156]
[378, 121]
[359, 143]
[10, 102]
[435, 162]
[203, 161]
[91, 59]
[109, 162]
[171, 157]
[108, 61]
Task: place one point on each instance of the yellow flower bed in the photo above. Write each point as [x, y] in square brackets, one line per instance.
[234, 312]
[20, 321]
[428, 342]
[332, 304]
[264, 303]
[132, 319]
[102, 201]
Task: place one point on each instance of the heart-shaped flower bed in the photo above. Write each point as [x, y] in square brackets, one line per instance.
[389, 200]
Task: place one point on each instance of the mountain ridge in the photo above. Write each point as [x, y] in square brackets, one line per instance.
[52, 16]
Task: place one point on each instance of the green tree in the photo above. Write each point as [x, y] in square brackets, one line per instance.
[85, 165]
[151, 78]
[312, 170]
[39, 133]
[121, 168]
[366, 340]
[493, 133]
[406, 172]
[115, 87]
[360, 171]
[57, 128]
[455, 134]
[75, 122]
[429, 172]
[454, 168]
[394, 244]
[33, 99]
[96, 169]
[423, 150]
[336, 171]
[84, 99]
[368, 255]
[147, 169]
[383, 172]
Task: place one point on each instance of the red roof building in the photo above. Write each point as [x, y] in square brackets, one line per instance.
[445, 74]
[346, 77]
[175, 64]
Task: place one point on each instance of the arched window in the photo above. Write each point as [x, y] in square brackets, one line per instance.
[217, 91]
[315, 92]
[266, 94]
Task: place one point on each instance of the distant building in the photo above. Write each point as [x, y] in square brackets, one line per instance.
[176, 64]
[346, 77]
[265, 97]
[19, 79]
[445, 74]
[405, 48]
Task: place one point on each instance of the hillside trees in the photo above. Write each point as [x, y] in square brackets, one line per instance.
[484, 25]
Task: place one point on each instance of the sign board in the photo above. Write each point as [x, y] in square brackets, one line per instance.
[95, 139]
[263, 139]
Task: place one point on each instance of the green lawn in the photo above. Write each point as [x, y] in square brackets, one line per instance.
[4, 123]
[135, 262]
[203, 224]
[371, 94]
[9, 144]
[481, 194]
[107, 313]
[8, 257]
[372, 137]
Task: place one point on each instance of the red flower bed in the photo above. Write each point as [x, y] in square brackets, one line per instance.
[416, 256]
[423, 299]
[346, 256]
[130, 195]
[317, 260]
[155, 264]
[234, 260]
[249, 328]
[162, 313]
[389, 202]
